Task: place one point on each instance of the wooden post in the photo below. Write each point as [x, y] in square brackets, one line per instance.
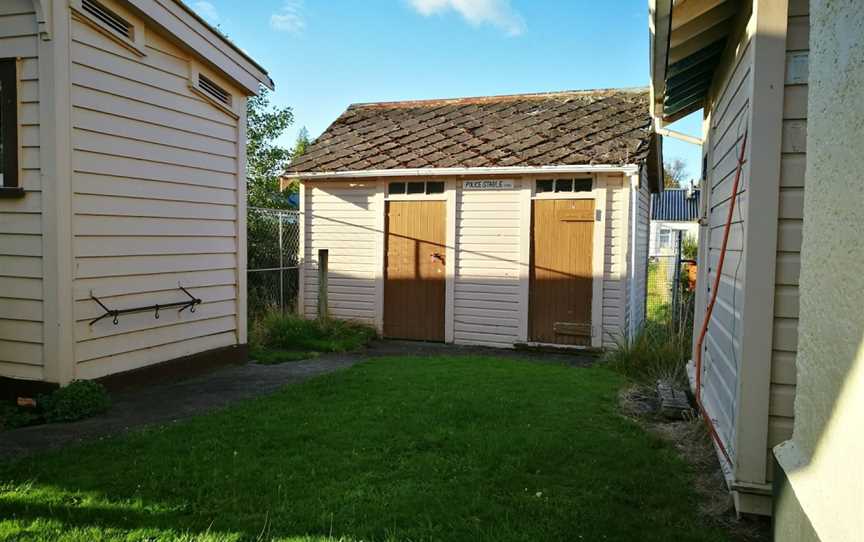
[323, 257]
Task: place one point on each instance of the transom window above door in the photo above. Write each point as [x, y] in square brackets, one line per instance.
[564, 185]
[415, 188]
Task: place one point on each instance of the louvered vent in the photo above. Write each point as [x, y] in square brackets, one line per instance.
[215, 91]
[105, 15]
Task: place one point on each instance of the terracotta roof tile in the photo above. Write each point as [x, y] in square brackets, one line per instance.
[562, 128]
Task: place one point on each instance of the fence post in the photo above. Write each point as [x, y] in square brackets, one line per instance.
[676, 281]
[323, 258]
[281, 267]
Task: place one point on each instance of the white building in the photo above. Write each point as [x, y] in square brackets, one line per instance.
[123, 179]
[492, 221]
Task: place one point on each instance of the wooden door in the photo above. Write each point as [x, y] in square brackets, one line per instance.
[415, 271]
[562, 233]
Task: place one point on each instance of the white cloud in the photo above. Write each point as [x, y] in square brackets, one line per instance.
[495, 12]
[206, 10]
[289, 18]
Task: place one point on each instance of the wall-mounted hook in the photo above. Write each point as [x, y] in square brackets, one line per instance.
[157, 312]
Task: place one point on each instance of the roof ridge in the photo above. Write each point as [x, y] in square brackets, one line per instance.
[495, 98]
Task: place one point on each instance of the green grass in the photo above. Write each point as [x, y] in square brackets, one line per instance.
[280, 338]
[267, 356]
[393, 449]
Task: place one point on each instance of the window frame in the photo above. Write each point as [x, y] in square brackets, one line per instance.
[572, 194]
[661, 232]
[195, 72]
[10, 185]
[136, 44]
[405, 196]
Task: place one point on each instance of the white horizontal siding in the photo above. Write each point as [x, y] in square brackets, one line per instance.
[154, 202]
[21, 291]
[615, 283]
[643, 210]
[342, 219]
[722, 349]
[789, 228]
[486, 303]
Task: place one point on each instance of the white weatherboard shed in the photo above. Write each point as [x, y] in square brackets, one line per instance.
[745, 64]
[123, 178]
[490, 221]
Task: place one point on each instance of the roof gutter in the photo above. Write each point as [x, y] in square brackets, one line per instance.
[463, 171]
[660, 31]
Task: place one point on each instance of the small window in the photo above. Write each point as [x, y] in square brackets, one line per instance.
[545, 186]
[416, 188]
[107, 17]
[8, 124]
[213, 90]
[435, 187]
[664, 238]
[564, 185]
[582, 185]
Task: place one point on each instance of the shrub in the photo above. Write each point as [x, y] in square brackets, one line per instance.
[12, 416]
[80, 399]
[657, 352]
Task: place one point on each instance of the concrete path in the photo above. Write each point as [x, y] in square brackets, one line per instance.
[177, 400]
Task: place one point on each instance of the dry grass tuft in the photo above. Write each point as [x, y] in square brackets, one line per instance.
[691, 440]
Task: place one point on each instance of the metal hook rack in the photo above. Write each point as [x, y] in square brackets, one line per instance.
[188, 304]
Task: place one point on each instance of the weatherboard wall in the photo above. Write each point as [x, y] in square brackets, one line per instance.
[489, 239]
[21, 221]
[751, 342]
[155, 203]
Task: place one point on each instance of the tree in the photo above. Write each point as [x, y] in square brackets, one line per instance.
[674, 173]
[265, 159]
[301, 144]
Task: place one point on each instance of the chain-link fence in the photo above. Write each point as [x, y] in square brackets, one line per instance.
[672, 285]
[273, 237]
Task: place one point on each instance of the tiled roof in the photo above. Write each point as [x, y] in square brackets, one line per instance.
[675, 205]
[562, 128]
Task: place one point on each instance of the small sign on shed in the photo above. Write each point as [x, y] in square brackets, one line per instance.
[487, 185]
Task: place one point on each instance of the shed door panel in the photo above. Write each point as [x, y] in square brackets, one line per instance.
[415, 284]
[562, 233]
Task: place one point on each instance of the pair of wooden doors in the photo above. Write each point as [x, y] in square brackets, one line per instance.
[561, 272]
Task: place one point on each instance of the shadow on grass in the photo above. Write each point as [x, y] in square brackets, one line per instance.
[401, 448]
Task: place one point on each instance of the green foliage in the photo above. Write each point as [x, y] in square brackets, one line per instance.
[408, 448]
[674, 173]
[657, 352]
[265, 159]
[292, 333]
[301, 144]
[689, 248]
[80, 399]
[12, 416]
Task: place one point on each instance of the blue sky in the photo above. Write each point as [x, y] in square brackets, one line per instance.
[326, 54]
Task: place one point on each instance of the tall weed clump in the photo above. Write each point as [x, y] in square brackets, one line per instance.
[657, 352]
[289, 332]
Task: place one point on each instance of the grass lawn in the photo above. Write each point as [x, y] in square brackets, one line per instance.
[393, 449]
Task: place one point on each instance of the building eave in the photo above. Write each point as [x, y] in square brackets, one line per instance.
[463, 171]
[189, 30]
